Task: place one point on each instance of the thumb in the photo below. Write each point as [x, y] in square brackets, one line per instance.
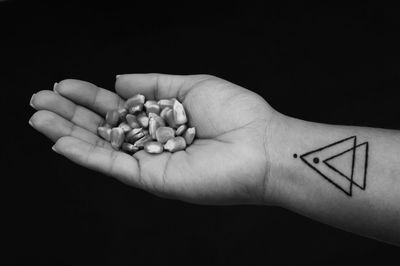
[156, 86]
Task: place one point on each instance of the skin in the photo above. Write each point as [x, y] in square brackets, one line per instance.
[226, 164]
[243, 153]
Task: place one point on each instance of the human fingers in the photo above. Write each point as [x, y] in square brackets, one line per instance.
[89, 95]
[78, 115]
[107, 161]
[54, 127]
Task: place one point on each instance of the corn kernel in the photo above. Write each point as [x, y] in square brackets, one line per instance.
[179, 113]
[189, 135]
[142, 120]
[129, 148]
[163, 134]
[153, 147]
[180, 130]
[112, 117]
[152, 107]
[134, 100]
[175, 144]
[104, 132]
[117, 137]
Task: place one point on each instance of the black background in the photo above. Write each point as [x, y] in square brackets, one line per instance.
[318, 63]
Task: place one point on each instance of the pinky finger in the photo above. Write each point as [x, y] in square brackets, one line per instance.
[107, 161]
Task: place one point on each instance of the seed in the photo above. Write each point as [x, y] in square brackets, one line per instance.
[136, 108]
[157, 118]
[112, 117]
[122, 113]
[179, 113]
[175, 144]
[135, 100]
[163, 134]
[153, 147]
[155, 122]
[140, 142]
[104, 132]
[151, 125]
[152, 107]
[134, 135]
[169, 117]
[164, 112]
[125, 127]
[152, 128]
[142, 120]
[128, 147]
[117, 137]
[132, 121]
[180, 130]
[166, 103]
[189, 135]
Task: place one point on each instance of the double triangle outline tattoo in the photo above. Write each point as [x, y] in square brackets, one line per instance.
[343, 163]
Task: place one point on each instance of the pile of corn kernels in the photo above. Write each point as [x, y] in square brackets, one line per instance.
[154, 126]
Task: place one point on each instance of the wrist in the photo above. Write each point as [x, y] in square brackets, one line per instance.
[277, 151]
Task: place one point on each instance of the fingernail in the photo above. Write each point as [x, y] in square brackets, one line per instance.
[31, 101]
[54, 148]
[55, 87]
[117, 76]
[30, 123]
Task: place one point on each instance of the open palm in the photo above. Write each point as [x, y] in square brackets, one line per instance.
[226, 164]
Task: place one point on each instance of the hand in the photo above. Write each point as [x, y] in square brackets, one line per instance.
[226, 164]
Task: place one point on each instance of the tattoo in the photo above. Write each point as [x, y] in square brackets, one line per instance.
[343, 163]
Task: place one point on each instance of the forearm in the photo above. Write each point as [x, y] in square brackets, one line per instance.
[348, 177]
